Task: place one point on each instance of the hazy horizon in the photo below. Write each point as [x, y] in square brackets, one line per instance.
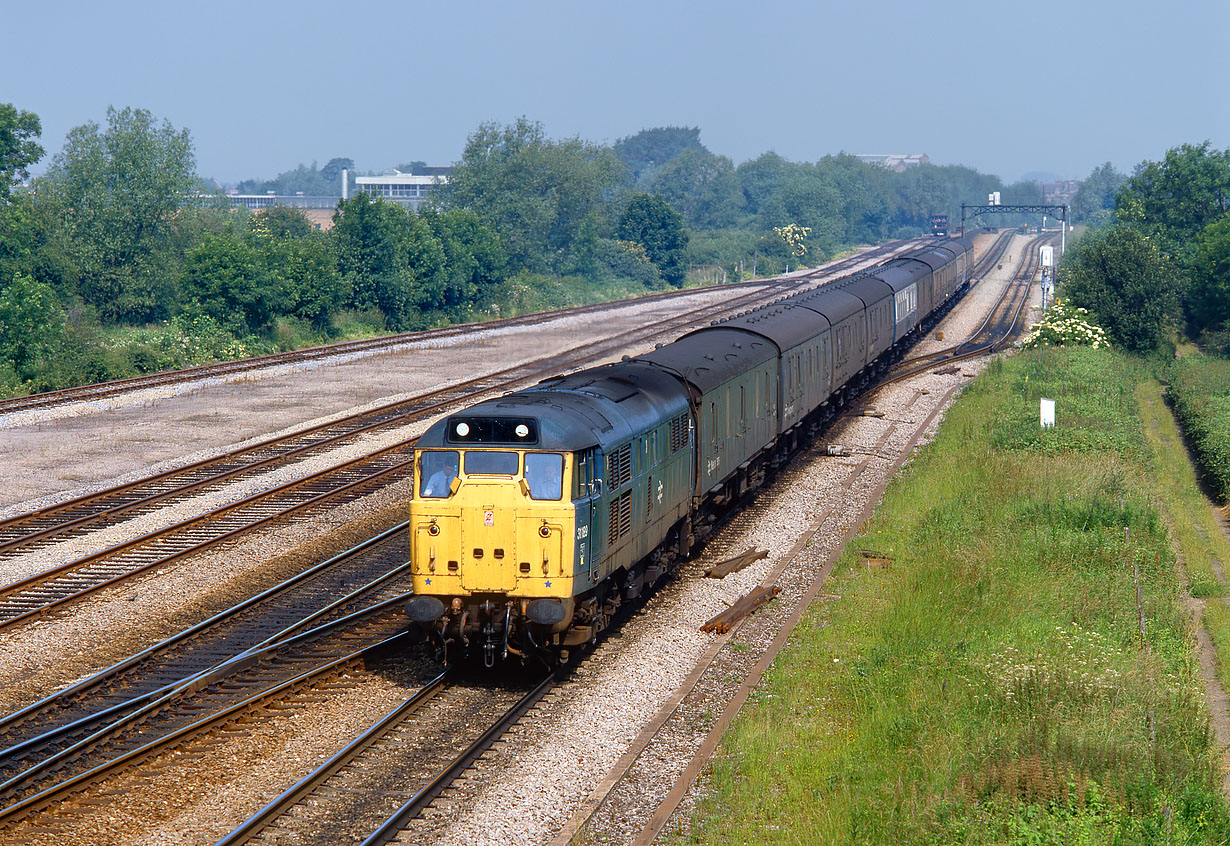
[265, 87]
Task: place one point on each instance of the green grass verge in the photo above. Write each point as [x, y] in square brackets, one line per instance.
[991, 686]
[1192, 521]
[1200, 391]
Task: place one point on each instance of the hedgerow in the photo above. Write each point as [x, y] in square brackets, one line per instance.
[1200, 393]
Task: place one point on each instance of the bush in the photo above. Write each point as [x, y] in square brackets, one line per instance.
[1065, 326]
[629, 260]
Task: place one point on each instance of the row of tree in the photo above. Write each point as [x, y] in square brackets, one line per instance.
[1156, 262]
[120, 231]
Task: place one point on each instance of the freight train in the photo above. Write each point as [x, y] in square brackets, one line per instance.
[536, 514]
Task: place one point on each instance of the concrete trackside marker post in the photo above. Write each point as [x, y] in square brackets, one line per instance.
[1048, 413]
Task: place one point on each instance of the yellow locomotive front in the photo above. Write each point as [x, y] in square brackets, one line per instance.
[492, 535]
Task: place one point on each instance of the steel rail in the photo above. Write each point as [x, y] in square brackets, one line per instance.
[428, 793]
[138, 726]
[74, 580]
[295, 794]
[968, 349]
[61, 789]
[117, 679]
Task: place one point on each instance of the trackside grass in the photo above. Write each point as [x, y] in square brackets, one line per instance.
[1192, 521]
[992, 685]
[1200, 391]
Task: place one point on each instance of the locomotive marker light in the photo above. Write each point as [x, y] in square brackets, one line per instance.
[1048, 413]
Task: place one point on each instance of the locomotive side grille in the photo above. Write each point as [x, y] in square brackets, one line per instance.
[619, 517]
[679, 433]
[619, 467]
[625, 513]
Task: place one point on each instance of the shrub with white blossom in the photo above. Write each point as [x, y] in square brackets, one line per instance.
[1063, 325]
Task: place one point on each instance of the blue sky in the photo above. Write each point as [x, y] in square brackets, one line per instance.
[1007, 88]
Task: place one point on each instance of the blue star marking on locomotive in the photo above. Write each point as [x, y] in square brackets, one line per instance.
[548, 584]
[428, 581]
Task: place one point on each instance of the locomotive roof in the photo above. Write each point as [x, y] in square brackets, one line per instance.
[601, 406]
[712, 356]
[785, 324]
[835, 304]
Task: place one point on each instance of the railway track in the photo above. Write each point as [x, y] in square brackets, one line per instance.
[376, 782]
[360, 788]
[53, 589]
[250, 686]
[623, 806]
[365, 575]
[102, 390]
[24, 532]
[1001, 324]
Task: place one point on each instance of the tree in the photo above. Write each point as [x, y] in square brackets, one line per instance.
[1130, 286]
[368, 234]
[1178, 196]
[331, 174]
[228, 278]
[31, 324]
[390, 259]
[309, 284]
[760, 178]
[1097, 192]
[534, 193]
[651, 222]
[474, 263]
[703, 187]
[1209, 297]
[281, 222]
[18, 146]
[117, 193]
[647, 151]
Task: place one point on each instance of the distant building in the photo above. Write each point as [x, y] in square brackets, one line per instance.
[256, 202]
[409, 189]
[1059, 193]
[896, 162]
[319, 210]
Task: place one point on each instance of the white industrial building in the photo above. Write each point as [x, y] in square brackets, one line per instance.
[409, 189]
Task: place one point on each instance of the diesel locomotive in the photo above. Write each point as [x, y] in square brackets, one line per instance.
[536, 514]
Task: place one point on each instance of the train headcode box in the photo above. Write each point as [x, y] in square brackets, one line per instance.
[939, 225]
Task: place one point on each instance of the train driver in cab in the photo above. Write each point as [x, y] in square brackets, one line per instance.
[544, 475]
[439, 468]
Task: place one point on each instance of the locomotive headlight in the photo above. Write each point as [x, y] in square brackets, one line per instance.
[433, 529]
[463, 429]
[522, 430]
[544, 531]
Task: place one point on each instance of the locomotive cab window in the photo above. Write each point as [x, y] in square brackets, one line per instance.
[581, 476]
[544, 475]
[490, 463]
[437, 469]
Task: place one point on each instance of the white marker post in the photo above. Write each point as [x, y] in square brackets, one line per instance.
[1048, 413]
